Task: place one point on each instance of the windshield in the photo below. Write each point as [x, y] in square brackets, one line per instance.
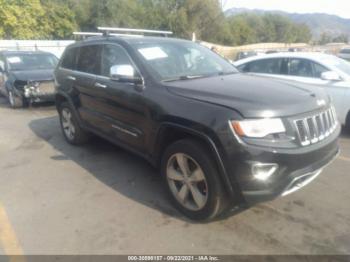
[338, 63]
[31, 61]
[182, 60]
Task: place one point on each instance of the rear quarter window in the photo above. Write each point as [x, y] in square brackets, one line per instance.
[345, 51]
[69, 58]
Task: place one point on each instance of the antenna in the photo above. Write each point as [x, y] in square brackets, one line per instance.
[124, 31]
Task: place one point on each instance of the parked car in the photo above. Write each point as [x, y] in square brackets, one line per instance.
[245, 54]
[324, 70]
[221, 139]
[27, 77]
[344, 53]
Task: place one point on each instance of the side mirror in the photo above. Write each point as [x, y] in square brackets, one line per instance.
[331, 76]
[125, 73]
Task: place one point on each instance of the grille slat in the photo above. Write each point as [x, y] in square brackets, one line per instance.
[315, 128]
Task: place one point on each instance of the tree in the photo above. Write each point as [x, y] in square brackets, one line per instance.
[60, 20]
[325, 38]
[249, 28]
[22, 19]
[57, 19]
[35, 19]
[343, 38]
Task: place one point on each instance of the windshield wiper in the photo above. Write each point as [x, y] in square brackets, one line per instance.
[184, 77]
[221, 73]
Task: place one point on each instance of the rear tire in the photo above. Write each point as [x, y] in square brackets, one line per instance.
[72, 132]
[192, 180]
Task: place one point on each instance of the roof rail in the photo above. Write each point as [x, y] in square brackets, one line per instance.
[127, 31]
[84, 35]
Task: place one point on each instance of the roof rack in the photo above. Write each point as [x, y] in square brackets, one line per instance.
[131, 31]
[84, 35]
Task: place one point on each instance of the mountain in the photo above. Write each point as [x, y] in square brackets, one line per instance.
[318, 22]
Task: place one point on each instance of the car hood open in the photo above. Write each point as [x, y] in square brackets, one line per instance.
[253, 96]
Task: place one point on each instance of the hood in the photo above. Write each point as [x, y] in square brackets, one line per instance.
[253, 96]
[33, 75]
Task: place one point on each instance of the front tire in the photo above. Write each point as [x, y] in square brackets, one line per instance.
[192, 180]
[16, 101]
[71, 130]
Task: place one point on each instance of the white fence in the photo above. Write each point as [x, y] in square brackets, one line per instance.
[52, 46]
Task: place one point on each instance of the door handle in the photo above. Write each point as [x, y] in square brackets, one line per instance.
[71, 78]
[100, 85]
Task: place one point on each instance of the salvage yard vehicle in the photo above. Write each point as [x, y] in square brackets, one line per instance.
[27, 77]
[222, 139]
[324, 70]
[344, 54]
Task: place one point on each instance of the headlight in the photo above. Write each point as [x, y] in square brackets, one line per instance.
[258, 128]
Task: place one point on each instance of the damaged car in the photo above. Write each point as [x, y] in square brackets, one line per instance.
[27, 77]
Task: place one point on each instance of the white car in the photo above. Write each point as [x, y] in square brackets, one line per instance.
[344, 53]
[319, 69]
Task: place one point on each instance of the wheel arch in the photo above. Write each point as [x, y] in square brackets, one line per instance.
[347, 119]
[169, 133]
[60, 98]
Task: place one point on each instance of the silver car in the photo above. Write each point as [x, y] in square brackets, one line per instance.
[344, 54]
[320, 69]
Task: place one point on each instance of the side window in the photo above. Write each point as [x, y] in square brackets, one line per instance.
[69, 58]
[244, 68]
[319, 70]
[113, 55]
[266, 66]
[300, 67]
[89, 59]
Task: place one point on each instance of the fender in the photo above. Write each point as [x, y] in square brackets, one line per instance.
[212, 146]
[71, 103]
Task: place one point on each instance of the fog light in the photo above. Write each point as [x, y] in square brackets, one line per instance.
[262, 171]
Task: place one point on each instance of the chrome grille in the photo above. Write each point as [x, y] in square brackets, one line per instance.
[313, 129]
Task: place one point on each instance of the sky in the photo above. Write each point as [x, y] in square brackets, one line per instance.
[335, 7]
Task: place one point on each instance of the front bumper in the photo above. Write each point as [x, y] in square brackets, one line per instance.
[43, 91]
[296, 168]
[41, 98]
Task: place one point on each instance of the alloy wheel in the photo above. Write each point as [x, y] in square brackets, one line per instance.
[67, 123]
[187, 181]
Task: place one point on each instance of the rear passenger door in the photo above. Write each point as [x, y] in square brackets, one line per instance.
[302, 70]
[88, 66]
[65, 74]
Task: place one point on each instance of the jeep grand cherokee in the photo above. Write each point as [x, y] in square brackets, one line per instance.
[220, 138]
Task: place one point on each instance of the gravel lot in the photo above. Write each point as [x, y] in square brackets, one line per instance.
[99, 199]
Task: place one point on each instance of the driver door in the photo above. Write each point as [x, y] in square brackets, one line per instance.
[122, 106]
